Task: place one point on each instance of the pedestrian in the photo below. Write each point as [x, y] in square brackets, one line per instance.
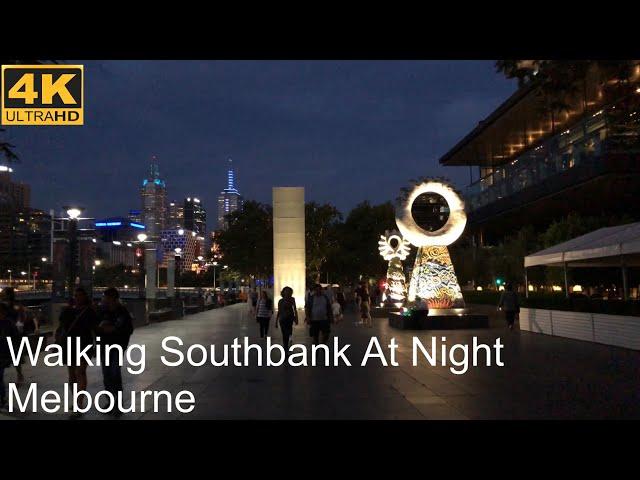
[253, 297]
[287, 316]
[8, 331]
[330, 293]
[341, 298]
[16, 315]
[375, 298]
[509, 304]
[365, 305]
[319, 315]
[78, 321]
[115, 328]
[337, 311]
[264, 310]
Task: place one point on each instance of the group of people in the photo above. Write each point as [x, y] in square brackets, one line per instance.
[323, 307]
[81, 321]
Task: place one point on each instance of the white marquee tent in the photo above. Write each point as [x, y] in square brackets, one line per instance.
[607, 247]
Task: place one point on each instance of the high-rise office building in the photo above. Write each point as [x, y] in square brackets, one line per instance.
[191, 247]
[175, 215]
[229, 199]
[13, 195]
[25, 233]
[195, 216]
[135, 216]
[154, 206]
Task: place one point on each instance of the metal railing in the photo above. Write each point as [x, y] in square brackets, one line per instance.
[583, 144]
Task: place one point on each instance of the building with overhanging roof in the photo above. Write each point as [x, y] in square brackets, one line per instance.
[530, 165]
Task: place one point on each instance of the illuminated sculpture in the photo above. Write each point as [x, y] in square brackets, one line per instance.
[394, 249]
[433, 277]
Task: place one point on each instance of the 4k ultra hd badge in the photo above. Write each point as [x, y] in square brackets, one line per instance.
[42, 95]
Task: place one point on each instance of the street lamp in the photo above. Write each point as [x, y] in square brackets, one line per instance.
[10, 281]
[178, 251]
[73, 213]
[142, 238]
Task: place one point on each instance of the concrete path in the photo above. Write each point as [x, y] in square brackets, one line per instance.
[543, 377]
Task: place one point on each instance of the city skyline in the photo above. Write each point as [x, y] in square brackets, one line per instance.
[327, 126]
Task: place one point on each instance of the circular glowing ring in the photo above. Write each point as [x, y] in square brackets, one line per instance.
[449, 232]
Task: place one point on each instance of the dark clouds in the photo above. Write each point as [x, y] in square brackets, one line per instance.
[347, 131]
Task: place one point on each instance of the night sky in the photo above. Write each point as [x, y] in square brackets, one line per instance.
[347, 131]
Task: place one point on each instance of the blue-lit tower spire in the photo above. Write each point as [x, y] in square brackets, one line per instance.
[229, 199]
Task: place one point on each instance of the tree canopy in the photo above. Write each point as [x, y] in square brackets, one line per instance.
[337, 249]
[247, 243]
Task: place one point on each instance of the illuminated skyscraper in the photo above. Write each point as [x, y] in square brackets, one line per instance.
[154, 207]
[195, 216]
[229, 199]
[175, 215]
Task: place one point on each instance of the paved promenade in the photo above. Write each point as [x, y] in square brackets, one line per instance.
[543, 378]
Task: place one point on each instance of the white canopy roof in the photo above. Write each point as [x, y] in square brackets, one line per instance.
[601, 248]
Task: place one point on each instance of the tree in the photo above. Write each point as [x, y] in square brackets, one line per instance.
[321, 241]
[247, 243]
[358, 246]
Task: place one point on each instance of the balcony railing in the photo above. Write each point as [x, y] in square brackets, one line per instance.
[581, 145]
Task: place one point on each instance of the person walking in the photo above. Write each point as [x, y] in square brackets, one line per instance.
[16, 315]
[253, 298]
[115, 328]
[8, 331]
[341, 298]
[365, 305]
[77, 322]
[264, 311]
[287, 316]
[319, 315]
[337, 311]
[509, 304]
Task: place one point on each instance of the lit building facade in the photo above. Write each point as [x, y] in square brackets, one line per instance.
[195, 216]
[191, 246]
[111, 253]
[25, 233]
[175, 215]
[229, 199]
[16, 195]
[154, 206]
[135, 216]
[530, 166]
[119, 229]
